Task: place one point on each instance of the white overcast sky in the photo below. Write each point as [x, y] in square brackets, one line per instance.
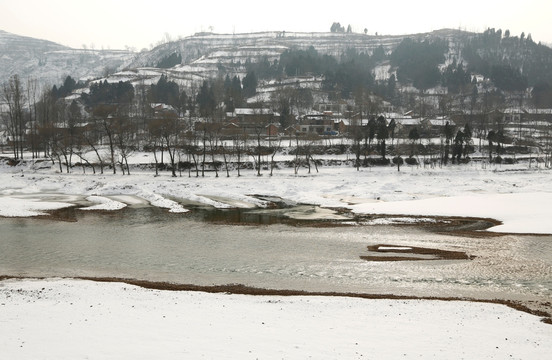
[138, 24]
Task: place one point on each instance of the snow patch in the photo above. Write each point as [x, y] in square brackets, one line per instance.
[85, 319]
[103, 203]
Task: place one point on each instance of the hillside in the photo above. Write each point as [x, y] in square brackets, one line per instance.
[445, 67]
[205, 56]
[49, 63]
[510, 63]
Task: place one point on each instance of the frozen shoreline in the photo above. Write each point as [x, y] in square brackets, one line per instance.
[516, 197]
[86, 319]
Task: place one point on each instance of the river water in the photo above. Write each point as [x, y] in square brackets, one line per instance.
[148, 243]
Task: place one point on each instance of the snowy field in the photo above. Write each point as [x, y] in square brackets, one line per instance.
[76, 319]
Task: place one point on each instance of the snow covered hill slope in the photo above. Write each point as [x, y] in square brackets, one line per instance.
[203, 54]
[49, 63]
[240, 47]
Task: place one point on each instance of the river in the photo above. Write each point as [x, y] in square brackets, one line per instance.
[148, 243]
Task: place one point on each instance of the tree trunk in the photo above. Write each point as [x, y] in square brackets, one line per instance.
[258, 154]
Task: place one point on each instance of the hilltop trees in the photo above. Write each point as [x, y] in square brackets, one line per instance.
[519, 59]
[337, 28]
[417, 62]
[109, 93]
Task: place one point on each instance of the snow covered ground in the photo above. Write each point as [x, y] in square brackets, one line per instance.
[74, 319]
[515, 195]
[77, 319]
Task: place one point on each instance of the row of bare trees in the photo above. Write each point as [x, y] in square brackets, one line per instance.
[107, 136]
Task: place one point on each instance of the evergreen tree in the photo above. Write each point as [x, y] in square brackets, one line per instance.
[541, 95]
[455, 78]
[382, 134]
[233, 97]
[449, 133]
[250, 83]
[337, 28]
[170, 61]
[165, 91]
[418, 62]
[69, 84]
[507, 78]
[206, 100]
[457, 150]
[109, 93]
[413, 136]
[379, 54]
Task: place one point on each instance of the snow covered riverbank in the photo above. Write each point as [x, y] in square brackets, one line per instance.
[74, 319]
[516, 196]
[77, 319]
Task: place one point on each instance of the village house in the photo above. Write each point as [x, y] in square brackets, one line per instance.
[253, 122]
[339, 107]
[317, 123]
[161, 110]
[524, 123]
[435, 127]
[404, 123]
[341, 126]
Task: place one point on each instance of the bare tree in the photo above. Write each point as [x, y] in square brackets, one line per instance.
[309, 141]
[45, 114]
[275, 150]
[259, 127]
[90, 135]
[239, 140]
[32, 95]
[13, 96]
[124, 139]
[165, 131]
[104, 116]
[213, 136]
[62, 143]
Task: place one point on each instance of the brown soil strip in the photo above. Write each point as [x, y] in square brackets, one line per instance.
[393, 258]
[249, 290]
[437, 254]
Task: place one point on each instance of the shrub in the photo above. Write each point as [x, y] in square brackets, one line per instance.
[411, 161]
[397, 160]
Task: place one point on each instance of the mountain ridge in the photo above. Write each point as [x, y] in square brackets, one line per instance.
[204, 56]
[48, 62]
